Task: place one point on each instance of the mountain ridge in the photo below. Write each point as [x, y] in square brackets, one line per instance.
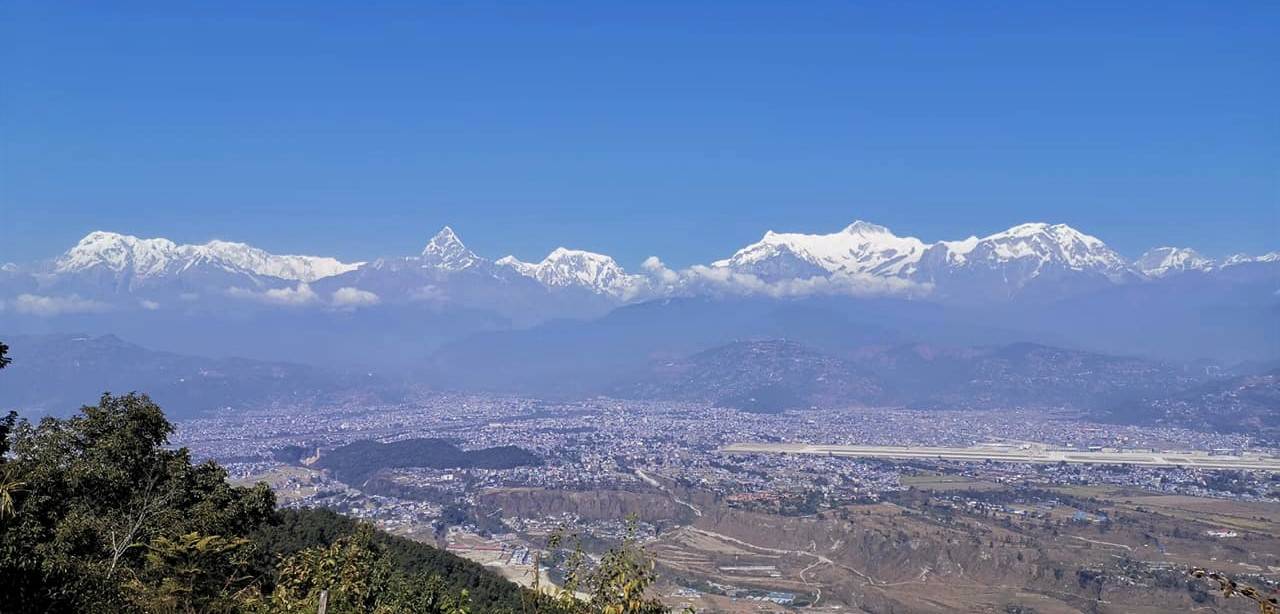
[1050, 281]
[1053, 259]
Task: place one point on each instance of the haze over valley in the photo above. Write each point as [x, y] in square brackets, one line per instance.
[640, 308]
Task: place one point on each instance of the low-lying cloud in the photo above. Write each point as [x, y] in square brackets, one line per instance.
[699, 279]
[47, 306]
[300, 295]
[351, 298]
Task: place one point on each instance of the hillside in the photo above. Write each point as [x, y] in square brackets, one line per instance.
[356, 462]
[296, 530]
[1020, 374]
[59, 373]
[99, 515]
[774, 375]
[757, 376]
[1246, 404]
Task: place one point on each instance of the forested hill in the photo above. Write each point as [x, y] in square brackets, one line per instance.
[297, 530]
[358, 461]
[98, 514]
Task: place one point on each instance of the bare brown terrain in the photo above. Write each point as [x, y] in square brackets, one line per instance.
[932, 550]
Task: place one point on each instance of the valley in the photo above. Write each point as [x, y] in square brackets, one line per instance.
[745, 529]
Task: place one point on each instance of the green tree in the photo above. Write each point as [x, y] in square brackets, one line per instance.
[10, 485]
[97, 514]
[195, 573]
[6, 424]
[357, 576]
[95, 490]
[619, 584]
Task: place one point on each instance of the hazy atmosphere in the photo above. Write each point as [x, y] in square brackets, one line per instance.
[448, 308]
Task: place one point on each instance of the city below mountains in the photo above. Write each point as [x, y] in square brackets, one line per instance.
[58, 373]
[577, 323]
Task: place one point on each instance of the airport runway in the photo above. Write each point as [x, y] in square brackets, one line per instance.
[1018, 455]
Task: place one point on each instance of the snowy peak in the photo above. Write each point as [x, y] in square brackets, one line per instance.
[1032, 261]
[1247, 259]
[129, 257]
[861, 228]
[1003, 264]
[861, 248]
[119, 253]
[1164, 261]
[1049, 245]
[446, 251]
[568, 268]
[291, 267]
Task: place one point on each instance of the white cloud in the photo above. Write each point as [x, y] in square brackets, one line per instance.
[354, 297]
[702, 279]
[149, 305]
[302, 294]
[654, 267]
[45, 306]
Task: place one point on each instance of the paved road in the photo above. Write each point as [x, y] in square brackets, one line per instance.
[1017, 455]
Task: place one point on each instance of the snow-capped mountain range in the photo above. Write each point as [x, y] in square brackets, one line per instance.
[1004, 263]
[567, 268]
[1034, 260]
[134, 261]
[1164, 261]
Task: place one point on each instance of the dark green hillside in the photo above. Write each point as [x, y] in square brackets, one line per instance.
[356, 462]
[98, 515]
[298, 530]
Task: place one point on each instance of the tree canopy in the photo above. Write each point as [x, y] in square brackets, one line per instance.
[99, 514]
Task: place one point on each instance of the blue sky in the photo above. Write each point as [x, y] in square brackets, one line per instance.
[681, 129]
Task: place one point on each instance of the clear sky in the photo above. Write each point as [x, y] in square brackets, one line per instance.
[678, 129]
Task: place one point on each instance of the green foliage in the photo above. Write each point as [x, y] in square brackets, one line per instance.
[618, 584]
[358, 577]
[98, 515]
[298, 530]
[96, 490]
[194, 573]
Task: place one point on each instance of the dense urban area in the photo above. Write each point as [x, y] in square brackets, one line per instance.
[492, 477]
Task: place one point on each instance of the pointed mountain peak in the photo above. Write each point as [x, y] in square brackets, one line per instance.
[445, 250]
[443, 239]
